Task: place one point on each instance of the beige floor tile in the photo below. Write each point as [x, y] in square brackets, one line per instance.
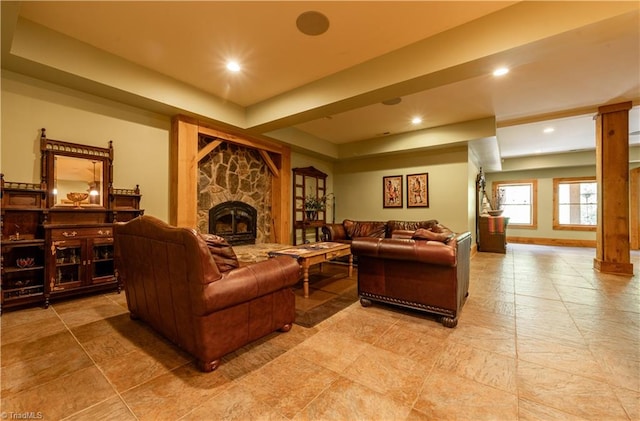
[588, 314]
[331, 350]
[136, 367]
[568, 392]
[405, 340]
[538, 288]
[490, 304]
[48, 366]
[21, 332]
[288, 384]
[175, 393]
[74, 315]
[488, 368]
[348, 400]
[366, 324]
[630, 402]
[385, 372]
[447, 396]
[492, 339]
[249, 358]
[35, 347]
[234, 403]
[26, 316]
[490, 314]
[297, 335]
[582, 343]
[532, 411]
[115, 324]
[580, 295]
[112, 409]
[527, 306]
[63, 396]
[621, 367]
[567, 357]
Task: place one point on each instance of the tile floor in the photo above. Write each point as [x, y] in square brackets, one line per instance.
[541, 337]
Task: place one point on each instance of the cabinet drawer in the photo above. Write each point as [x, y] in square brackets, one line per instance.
[70, 233]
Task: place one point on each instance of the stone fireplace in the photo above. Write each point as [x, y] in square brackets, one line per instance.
[234, 186]
[235, 221]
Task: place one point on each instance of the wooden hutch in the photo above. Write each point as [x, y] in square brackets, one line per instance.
[309, 184]
[57, 236]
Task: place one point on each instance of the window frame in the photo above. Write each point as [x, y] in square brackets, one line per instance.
[556, 204]
[534, 200]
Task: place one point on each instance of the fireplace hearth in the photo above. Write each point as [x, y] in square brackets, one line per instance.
[235, 221]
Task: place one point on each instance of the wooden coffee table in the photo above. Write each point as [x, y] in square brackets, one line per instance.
[313, 254]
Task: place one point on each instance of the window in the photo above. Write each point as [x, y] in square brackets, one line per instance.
[518, 201]
[575, 204]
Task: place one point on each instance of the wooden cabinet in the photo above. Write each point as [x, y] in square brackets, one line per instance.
[79, 259]
[309, 204]
[22, 272]
[492, 234]
[22, 259]
[57, 236]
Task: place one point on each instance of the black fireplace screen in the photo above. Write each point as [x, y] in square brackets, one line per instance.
[235, 221]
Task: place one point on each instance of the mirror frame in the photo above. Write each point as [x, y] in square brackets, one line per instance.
[50, 148]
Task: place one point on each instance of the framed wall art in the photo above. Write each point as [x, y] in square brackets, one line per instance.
[418, 190]
[392, 191]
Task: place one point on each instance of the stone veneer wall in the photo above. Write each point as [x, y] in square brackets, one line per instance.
[233, 172]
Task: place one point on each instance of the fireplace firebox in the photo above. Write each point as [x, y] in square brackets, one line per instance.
[235, 221]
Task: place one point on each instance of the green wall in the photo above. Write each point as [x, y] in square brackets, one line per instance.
[545, 200]
[140, 138]
[358, 187]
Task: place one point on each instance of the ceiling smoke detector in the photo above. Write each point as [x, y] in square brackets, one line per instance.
[312, 23]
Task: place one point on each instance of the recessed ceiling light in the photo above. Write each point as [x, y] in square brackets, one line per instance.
[233, 66]
[416, 120]
[549, 130]
[312, 23]
[501, 71]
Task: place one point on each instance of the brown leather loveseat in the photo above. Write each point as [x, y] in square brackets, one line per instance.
[426, 270]
[190, 288]
[350, 229]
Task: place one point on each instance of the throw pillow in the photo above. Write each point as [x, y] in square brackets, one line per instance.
[221, 251]
[425, 234]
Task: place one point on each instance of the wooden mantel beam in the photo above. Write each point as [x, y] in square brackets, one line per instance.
[184, 158]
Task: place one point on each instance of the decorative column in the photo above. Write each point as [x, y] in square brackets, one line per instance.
[612, 173]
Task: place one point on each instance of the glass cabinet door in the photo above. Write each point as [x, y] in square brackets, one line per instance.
[102, 269]
[68, 269]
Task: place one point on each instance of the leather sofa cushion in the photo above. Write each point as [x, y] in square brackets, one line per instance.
[222, 252]
[355, 229]
[426, 234]
[409, 225]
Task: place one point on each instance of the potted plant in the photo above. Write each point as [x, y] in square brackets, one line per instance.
[314, 204]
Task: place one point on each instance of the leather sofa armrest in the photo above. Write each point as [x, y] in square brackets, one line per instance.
[333, 232]
[248, 282]
[434, 252]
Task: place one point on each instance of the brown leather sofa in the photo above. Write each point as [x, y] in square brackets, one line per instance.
[428, 272]
[190, 288]
[349, 229]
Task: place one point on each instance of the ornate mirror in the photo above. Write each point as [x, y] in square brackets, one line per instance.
[76, 175]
